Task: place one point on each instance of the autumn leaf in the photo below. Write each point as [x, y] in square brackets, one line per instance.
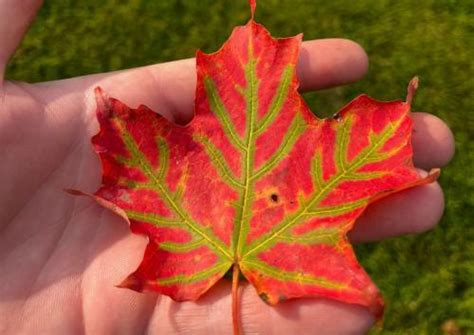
[255, 182]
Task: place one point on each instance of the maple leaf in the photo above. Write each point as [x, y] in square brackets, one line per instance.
[255, 182]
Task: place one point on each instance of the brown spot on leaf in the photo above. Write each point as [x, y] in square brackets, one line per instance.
[282, 298]
[264, 296]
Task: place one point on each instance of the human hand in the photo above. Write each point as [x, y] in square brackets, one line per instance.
[62, 256]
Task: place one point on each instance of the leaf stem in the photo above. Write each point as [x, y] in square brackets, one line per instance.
[235, 299]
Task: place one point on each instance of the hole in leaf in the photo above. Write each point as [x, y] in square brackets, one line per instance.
[337, 117]
[274, 197]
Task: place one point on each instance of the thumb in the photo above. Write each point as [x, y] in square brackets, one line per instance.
[15, 18]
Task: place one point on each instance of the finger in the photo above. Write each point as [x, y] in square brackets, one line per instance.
[15, 17]
[412, 211]
[330, 62]
[322, 64]
[298, 316]
[415, 210]
[168, 88]
[433, 141]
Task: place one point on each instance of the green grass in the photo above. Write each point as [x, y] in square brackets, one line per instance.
[427, 280]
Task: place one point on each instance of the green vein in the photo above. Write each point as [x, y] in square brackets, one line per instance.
[195, 277]
[218, 107]
[240, 90]
[251, 96]
[253, 128]
[299, 277]
[381, 156]
[295, 129]
[163, 190]
[328, 236]
[142, 186]
[220, 163]
[181, 247]
[342, 144]
[178, 194]
[123, 160]
[317, 170]
[338, 209]
[278, 100]
[367, 175]
[164, 157]
[152, 218]
[355, 164]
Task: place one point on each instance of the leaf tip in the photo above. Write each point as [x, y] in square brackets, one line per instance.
[131, 282]
[378, 309]
[100, 95]
[433, 175]
[101, 201]
[412, 87]
[253, 6]
[102, 101]
[98, 90]
[72, 191]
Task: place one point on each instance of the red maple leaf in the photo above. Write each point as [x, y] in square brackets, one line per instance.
[255, 182]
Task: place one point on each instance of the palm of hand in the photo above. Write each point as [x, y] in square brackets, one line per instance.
[61, 256]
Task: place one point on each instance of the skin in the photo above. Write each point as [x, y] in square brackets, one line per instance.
[61, 255]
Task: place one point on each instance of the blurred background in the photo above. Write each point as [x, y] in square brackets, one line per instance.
[427, 280]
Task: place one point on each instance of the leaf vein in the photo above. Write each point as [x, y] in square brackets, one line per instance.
[132, 147]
